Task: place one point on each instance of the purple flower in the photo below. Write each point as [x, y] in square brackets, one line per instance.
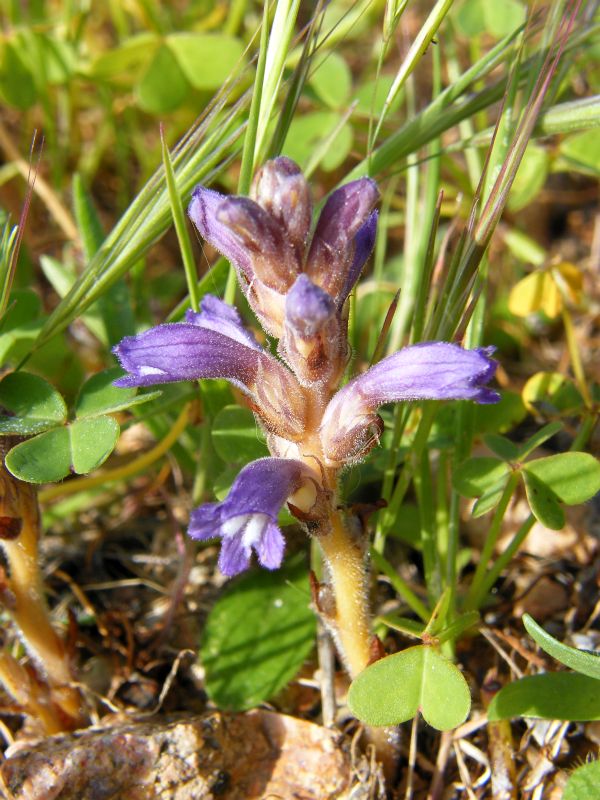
[429, 371]
[344, 238]
[215, 344]
[247, 518]
[314, 338]
[266, 236]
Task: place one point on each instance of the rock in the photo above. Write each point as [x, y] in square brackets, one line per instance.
[259, 754]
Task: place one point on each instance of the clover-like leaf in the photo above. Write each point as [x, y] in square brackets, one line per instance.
[236, 437]
[583, 782]
[79, 447]
[92, 441]
[543, 502]
[393, 689]
[573, 477]
[35, 403]
[98, 395]
[475, 476]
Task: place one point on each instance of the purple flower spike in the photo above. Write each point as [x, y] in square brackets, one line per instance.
[429, 371]
[247, 518]
[341, 239]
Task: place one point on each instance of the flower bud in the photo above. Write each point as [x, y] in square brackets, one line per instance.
[314, 341]
[281, 189]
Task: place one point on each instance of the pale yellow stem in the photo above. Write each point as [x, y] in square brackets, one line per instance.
[345, 559]
[18, 503]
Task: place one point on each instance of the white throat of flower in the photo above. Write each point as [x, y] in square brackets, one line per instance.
[250, 526]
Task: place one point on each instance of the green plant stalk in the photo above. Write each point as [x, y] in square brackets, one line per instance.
[442, 520]
[429, 411]
[588, 423]
[503, 560]
[476, 590]
[401, 415]
[573, 347]
[400, 585]
[414, 55]
[277, 52]
[185, 246]
[425, 494]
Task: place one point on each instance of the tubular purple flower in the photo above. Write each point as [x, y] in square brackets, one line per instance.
[428, 371]
[313, 343]
[339, 246]
[247, 518]
[216, 315]
[364, 242]
[215, 344]
[253, 240]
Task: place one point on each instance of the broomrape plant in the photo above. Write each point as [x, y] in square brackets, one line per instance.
[297, 284]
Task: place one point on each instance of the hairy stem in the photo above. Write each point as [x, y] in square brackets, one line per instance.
[346, 563]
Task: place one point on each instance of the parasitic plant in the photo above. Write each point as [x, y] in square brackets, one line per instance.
[297, 283]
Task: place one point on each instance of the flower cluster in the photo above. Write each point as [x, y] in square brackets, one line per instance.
[297, 285]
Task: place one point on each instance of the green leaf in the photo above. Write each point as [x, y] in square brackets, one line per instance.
[573, 477]
[474, 17]
[79, 447]
[531, 177]
[92, 441]
[44, 459]
[125, 61]
[332, 80]
[553, 695]
[114, 305]
[206, 59]
[257, 636]
[538, 439]
[163, 87]
[476, 476]
[582, 150]
[53, 59]
[371, 96]
[236, 437]
[543, 502]
[502, 447]
[308, 131]
[488, 500]
[580, 660]
[551, 392]
[98, 395]
[24, 305]
[583, 783]
[31, 397]
[393, 689]
[500, 417]
[18, 86]
[21, 322]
